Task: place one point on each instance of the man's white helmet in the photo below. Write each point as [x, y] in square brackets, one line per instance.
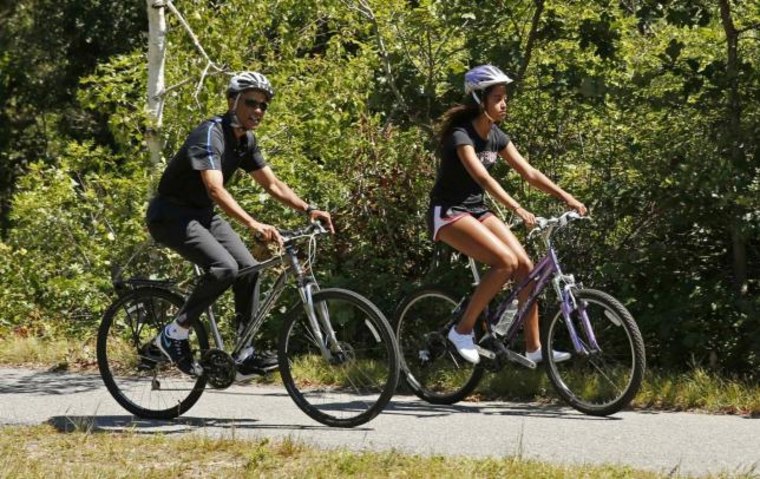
[249, 81]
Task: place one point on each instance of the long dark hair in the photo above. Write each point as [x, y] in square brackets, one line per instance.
[453, 117]
[457, 115]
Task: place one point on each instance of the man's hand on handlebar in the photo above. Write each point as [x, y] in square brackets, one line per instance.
[324, 217]
[265, 232]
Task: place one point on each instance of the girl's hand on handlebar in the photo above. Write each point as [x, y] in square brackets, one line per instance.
[576, 205]
[266, 233]
[528, 218]
[324, 217]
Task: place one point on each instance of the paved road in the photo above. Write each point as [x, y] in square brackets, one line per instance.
[660, 441]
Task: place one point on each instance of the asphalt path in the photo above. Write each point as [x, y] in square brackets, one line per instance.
[666, 442]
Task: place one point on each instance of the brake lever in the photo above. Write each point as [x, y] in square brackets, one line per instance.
[317, 226]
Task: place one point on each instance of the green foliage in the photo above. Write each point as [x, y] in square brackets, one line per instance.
[47, 45]
[634, 107]
[65, 235]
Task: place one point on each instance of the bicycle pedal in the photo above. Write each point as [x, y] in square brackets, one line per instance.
[520, 359]
[196, 370]
[486, 353]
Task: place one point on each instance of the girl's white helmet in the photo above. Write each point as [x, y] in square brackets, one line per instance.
[482, 77]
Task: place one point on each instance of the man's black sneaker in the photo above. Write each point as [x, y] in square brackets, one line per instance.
[177, 350]
[257, 363]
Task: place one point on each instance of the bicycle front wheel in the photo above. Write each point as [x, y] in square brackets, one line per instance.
[133, 369]
[352, 383]
[601, 381]
[431, 365]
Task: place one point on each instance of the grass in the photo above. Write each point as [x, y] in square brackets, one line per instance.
[699, 390]
[43, 451]
[37, 352]
[696, 390]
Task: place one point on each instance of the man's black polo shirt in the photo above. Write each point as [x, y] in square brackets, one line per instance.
[210, 146]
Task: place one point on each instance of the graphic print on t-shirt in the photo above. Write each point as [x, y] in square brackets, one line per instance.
[488, 158]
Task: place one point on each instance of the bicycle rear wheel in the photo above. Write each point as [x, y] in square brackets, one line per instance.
[430, 364]
[357, 381]
[134, 371]
[604, 381]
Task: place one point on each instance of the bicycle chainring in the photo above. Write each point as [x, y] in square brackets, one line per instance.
[219, 368]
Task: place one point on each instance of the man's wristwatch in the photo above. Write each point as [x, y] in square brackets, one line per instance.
[309, 209]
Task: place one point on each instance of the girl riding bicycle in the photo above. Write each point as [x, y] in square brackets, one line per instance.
[469, 144]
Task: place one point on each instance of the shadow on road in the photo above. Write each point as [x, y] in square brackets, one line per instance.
[45, 382]
[181, 425]
[422, 410]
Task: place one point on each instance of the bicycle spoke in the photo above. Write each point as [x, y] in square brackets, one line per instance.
[135, 372]
[356, 383]
[605, 381]
[439, 375]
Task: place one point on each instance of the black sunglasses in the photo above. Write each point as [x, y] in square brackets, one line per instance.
[251, 103]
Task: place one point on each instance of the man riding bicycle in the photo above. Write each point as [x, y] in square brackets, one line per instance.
[182, 216]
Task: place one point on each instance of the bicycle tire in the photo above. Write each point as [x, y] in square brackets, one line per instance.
[134, 371]
[430, 364]
[603, 382]
[360, 381]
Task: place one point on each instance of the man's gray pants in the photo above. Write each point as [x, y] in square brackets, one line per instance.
[207, 240]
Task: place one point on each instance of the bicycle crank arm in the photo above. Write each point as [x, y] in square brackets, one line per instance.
[486, 353]
[520, 359]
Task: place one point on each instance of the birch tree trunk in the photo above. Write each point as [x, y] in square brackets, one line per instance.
[156, 60]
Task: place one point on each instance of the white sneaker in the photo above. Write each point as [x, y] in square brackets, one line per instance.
[559, 356]
[465, 345]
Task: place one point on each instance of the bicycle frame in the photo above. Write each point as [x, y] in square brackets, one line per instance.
[547, 270]
[306, 285]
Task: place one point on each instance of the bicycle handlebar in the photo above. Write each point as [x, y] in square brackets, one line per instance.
[543, 224]
[314, 228]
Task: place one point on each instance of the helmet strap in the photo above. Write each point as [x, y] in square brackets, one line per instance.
[235, 123]
[482, 107]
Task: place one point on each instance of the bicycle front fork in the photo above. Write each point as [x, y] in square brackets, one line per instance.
[319, 321]
[569, 305]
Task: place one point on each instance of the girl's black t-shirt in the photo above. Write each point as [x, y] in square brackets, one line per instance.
[453, 184]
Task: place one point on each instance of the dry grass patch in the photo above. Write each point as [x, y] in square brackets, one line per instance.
[43, 452]
[47, 353]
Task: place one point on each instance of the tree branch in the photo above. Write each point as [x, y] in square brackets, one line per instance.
[531, 39]
[210, 65]
[364, 8]
[189, 30]
[756, 26]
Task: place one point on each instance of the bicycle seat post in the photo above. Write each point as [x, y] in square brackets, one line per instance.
[475, 273]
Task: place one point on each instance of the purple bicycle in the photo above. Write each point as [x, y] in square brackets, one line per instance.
[607, 361]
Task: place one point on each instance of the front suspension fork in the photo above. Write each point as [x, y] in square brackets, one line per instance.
[569, 305]
[319, 321]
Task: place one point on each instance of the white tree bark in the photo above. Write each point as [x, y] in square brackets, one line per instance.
[156, 61]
